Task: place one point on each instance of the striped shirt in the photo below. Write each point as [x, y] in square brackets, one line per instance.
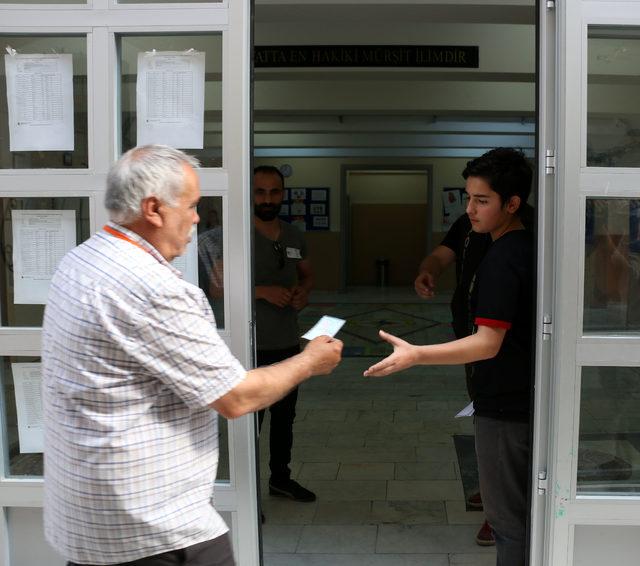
[131, 360]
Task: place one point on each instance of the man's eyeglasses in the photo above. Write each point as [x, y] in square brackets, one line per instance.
[279, 249]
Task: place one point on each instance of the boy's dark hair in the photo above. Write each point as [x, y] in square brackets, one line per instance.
[505, 170]
[269, 170]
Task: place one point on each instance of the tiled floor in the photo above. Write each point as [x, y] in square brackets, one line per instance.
[379, 454]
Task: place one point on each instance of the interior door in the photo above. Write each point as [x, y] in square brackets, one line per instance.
[590, 497]
[103, 38]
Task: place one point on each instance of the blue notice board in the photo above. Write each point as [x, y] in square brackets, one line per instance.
[306, 208]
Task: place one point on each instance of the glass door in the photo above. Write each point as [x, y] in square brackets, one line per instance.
[100, 41]
[593, 475]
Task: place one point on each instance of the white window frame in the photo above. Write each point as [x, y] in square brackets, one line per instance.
[101, 20]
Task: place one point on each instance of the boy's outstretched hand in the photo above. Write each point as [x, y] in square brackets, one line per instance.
[404, 356]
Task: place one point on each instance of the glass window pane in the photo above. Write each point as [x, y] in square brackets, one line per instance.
[613, 89]
[595, 545]
[211, 281]
[26, 528]
[612, 266]
[210, 259]
[79, 157]
[12, 314]
[223, 473]
[211, 45]
[19, 459]
[21, 2]
[609, 445]
[169, 1]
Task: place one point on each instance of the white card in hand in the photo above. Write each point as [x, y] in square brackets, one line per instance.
[326, 326]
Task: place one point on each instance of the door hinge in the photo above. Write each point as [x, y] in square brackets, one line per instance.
[542, 482]
[551, 4]
[549, 162]
[547, 327]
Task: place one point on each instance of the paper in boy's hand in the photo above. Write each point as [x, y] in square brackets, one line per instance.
[468, 411]
[326, 326]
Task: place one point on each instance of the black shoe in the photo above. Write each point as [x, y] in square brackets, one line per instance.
[292, 490]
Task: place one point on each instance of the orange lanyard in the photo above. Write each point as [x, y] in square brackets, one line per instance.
[124, 237]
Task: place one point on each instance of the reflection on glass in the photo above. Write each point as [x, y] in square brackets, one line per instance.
[169, 1]
[613, 116]
[210, 259]
[211, 45]
[43, 1]
[211, 281]
[79, 157]
[223, 450]
[615, 544]
[609, 445]
[612, 265]
[17, 462]
[12, 314]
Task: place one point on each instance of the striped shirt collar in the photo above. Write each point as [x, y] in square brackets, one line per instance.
[138, 241]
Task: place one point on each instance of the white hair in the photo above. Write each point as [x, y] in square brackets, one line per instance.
[142, 172]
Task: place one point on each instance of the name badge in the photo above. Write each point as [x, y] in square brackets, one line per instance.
[293, 253]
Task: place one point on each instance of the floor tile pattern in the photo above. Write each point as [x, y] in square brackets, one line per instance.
[379, 454]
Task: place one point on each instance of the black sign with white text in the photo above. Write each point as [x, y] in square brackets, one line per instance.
[366, 56]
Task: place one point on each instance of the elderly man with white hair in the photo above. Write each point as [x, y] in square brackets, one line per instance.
[134, 374]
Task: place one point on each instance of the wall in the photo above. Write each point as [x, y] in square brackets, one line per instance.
[324, 247]
[387, 219]
[394, 232]
[387, 187]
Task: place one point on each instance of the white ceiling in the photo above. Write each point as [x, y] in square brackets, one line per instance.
[460, 11]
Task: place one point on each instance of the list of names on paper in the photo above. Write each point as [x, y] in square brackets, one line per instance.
[40, 102]
[27, 381]
[170, 98]
[40, 240]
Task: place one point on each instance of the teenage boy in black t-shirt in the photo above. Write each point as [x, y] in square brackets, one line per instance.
[500, 349]
[466, 249]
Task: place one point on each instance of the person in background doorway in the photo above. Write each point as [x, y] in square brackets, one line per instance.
[211, 265]
[283, 281]
[500, 347]
[134, 374]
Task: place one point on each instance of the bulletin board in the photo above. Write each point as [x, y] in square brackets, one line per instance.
[306, 208]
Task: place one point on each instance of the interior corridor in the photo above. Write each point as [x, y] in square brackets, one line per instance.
[378, 452]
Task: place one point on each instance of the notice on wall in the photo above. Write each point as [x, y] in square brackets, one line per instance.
[40, 239]
[187, 263]
[170, 98]
[27, 381]
[306, 208]
[40, 102]
[453, 206]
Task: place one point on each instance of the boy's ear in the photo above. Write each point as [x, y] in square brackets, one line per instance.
[514, 204]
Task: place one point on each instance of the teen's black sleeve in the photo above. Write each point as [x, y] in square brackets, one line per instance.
[457, 233]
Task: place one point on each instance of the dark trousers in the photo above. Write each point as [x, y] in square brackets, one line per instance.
[283, 413]
[216, 552]
[502, 448]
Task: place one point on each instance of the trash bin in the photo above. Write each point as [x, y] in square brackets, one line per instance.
[382, 272]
